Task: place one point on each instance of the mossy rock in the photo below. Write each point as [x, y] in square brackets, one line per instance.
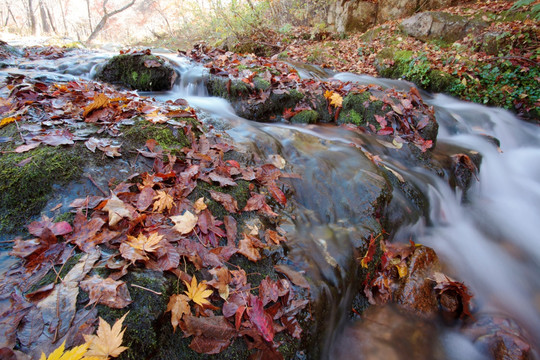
[27, 180]
[138, 72]
[305, 117]
[170, 138]
[226, 88]
[359, 110]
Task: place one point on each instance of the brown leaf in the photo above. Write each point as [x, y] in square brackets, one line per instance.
[117, 210]
[258, 202]
[228, 202]
[146, 197]
[271, 236]
[100, 101]
[231, 230]
[215, 327]
[295, 277]
[208, 345]
[178, 306]
[222, 180]
[108, 292]
[277, 193]
[268, 291]
[164, 201]
[246, 248]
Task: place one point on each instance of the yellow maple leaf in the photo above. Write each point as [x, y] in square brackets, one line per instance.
[328, 94]
[184, 224]
[199, 205]
[100, 101]
[163, 201]
[108, 340]
[336, 100]
[197, 292]
[76, 353]
[145, 244]
[178, 306]
[7, 120]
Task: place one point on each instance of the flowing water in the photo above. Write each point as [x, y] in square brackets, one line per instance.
[488, 238]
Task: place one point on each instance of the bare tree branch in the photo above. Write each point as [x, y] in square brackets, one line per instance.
[105, 18]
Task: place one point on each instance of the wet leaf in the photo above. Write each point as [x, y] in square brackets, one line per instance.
[228, 202]
[178, 306]
[185, 223]
[108, 340]
[146, 197]
[107, 291]
[246, 248]
[295, 277]
[259, 318]
[368, 257]
[258, 202]
[197, 292]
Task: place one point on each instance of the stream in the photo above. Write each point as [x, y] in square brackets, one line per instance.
[487, 237]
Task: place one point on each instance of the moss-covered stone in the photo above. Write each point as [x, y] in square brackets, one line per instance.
[168, 137]
[27, 179]
[240, 193]
[145, 313]
[358, 109]
[226, 88]
[137, 71]
[261, 84]
[306, 117]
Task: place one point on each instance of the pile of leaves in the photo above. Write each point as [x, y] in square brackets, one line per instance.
[149, 222]
[404, 115]
[397, 262]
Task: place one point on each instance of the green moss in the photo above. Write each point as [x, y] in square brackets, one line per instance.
[358, 109]
[219, 86]
[261, 84]
[306, 117]
[168, 137]
[145, 312]
[130, 70]
[25, 189]
[240, 193]
[67, 216]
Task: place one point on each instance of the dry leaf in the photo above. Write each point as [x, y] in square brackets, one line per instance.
[117, 210]
[145, 244]
[184, 224]
[163, 201]
[178, 306]
[336, 100]
[197, 292]
[199, 205]
[108, 340]
[107, 291]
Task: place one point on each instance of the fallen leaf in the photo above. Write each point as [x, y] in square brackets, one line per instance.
[246, 248]
[369, 253]
[107, 291]
[199, 205]
[258, 202]
[336, 100]
[108, 341]
[185, 223]
[75, 353]
[228, 202]
[295, 277]
[178, 306]
[164, 201]
[197, 292]
[117, 210]
[145, 244]
[100, 101]
[259, 318]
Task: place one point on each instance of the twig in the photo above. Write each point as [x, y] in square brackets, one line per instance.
[513, 57]
[96, 184]
[147, 289]
[19, 129]
[200, 240]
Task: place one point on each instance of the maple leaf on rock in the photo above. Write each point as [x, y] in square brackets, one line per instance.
[108, 341]
[107, 291]
[145, 244]
[164, 200]
[117, 210]
[185, 223]
[76, 353]
[197, 292]
[178, 306]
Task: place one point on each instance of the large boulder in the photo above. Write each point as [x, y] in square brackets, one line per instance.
[347, 16]
[434, 25]
[138, 71]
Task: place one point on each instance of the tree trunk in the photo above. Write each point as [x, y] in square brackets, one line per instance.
[31, 17]
[89, 16]
[63, 17]
[44, 21]
[105, 18]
